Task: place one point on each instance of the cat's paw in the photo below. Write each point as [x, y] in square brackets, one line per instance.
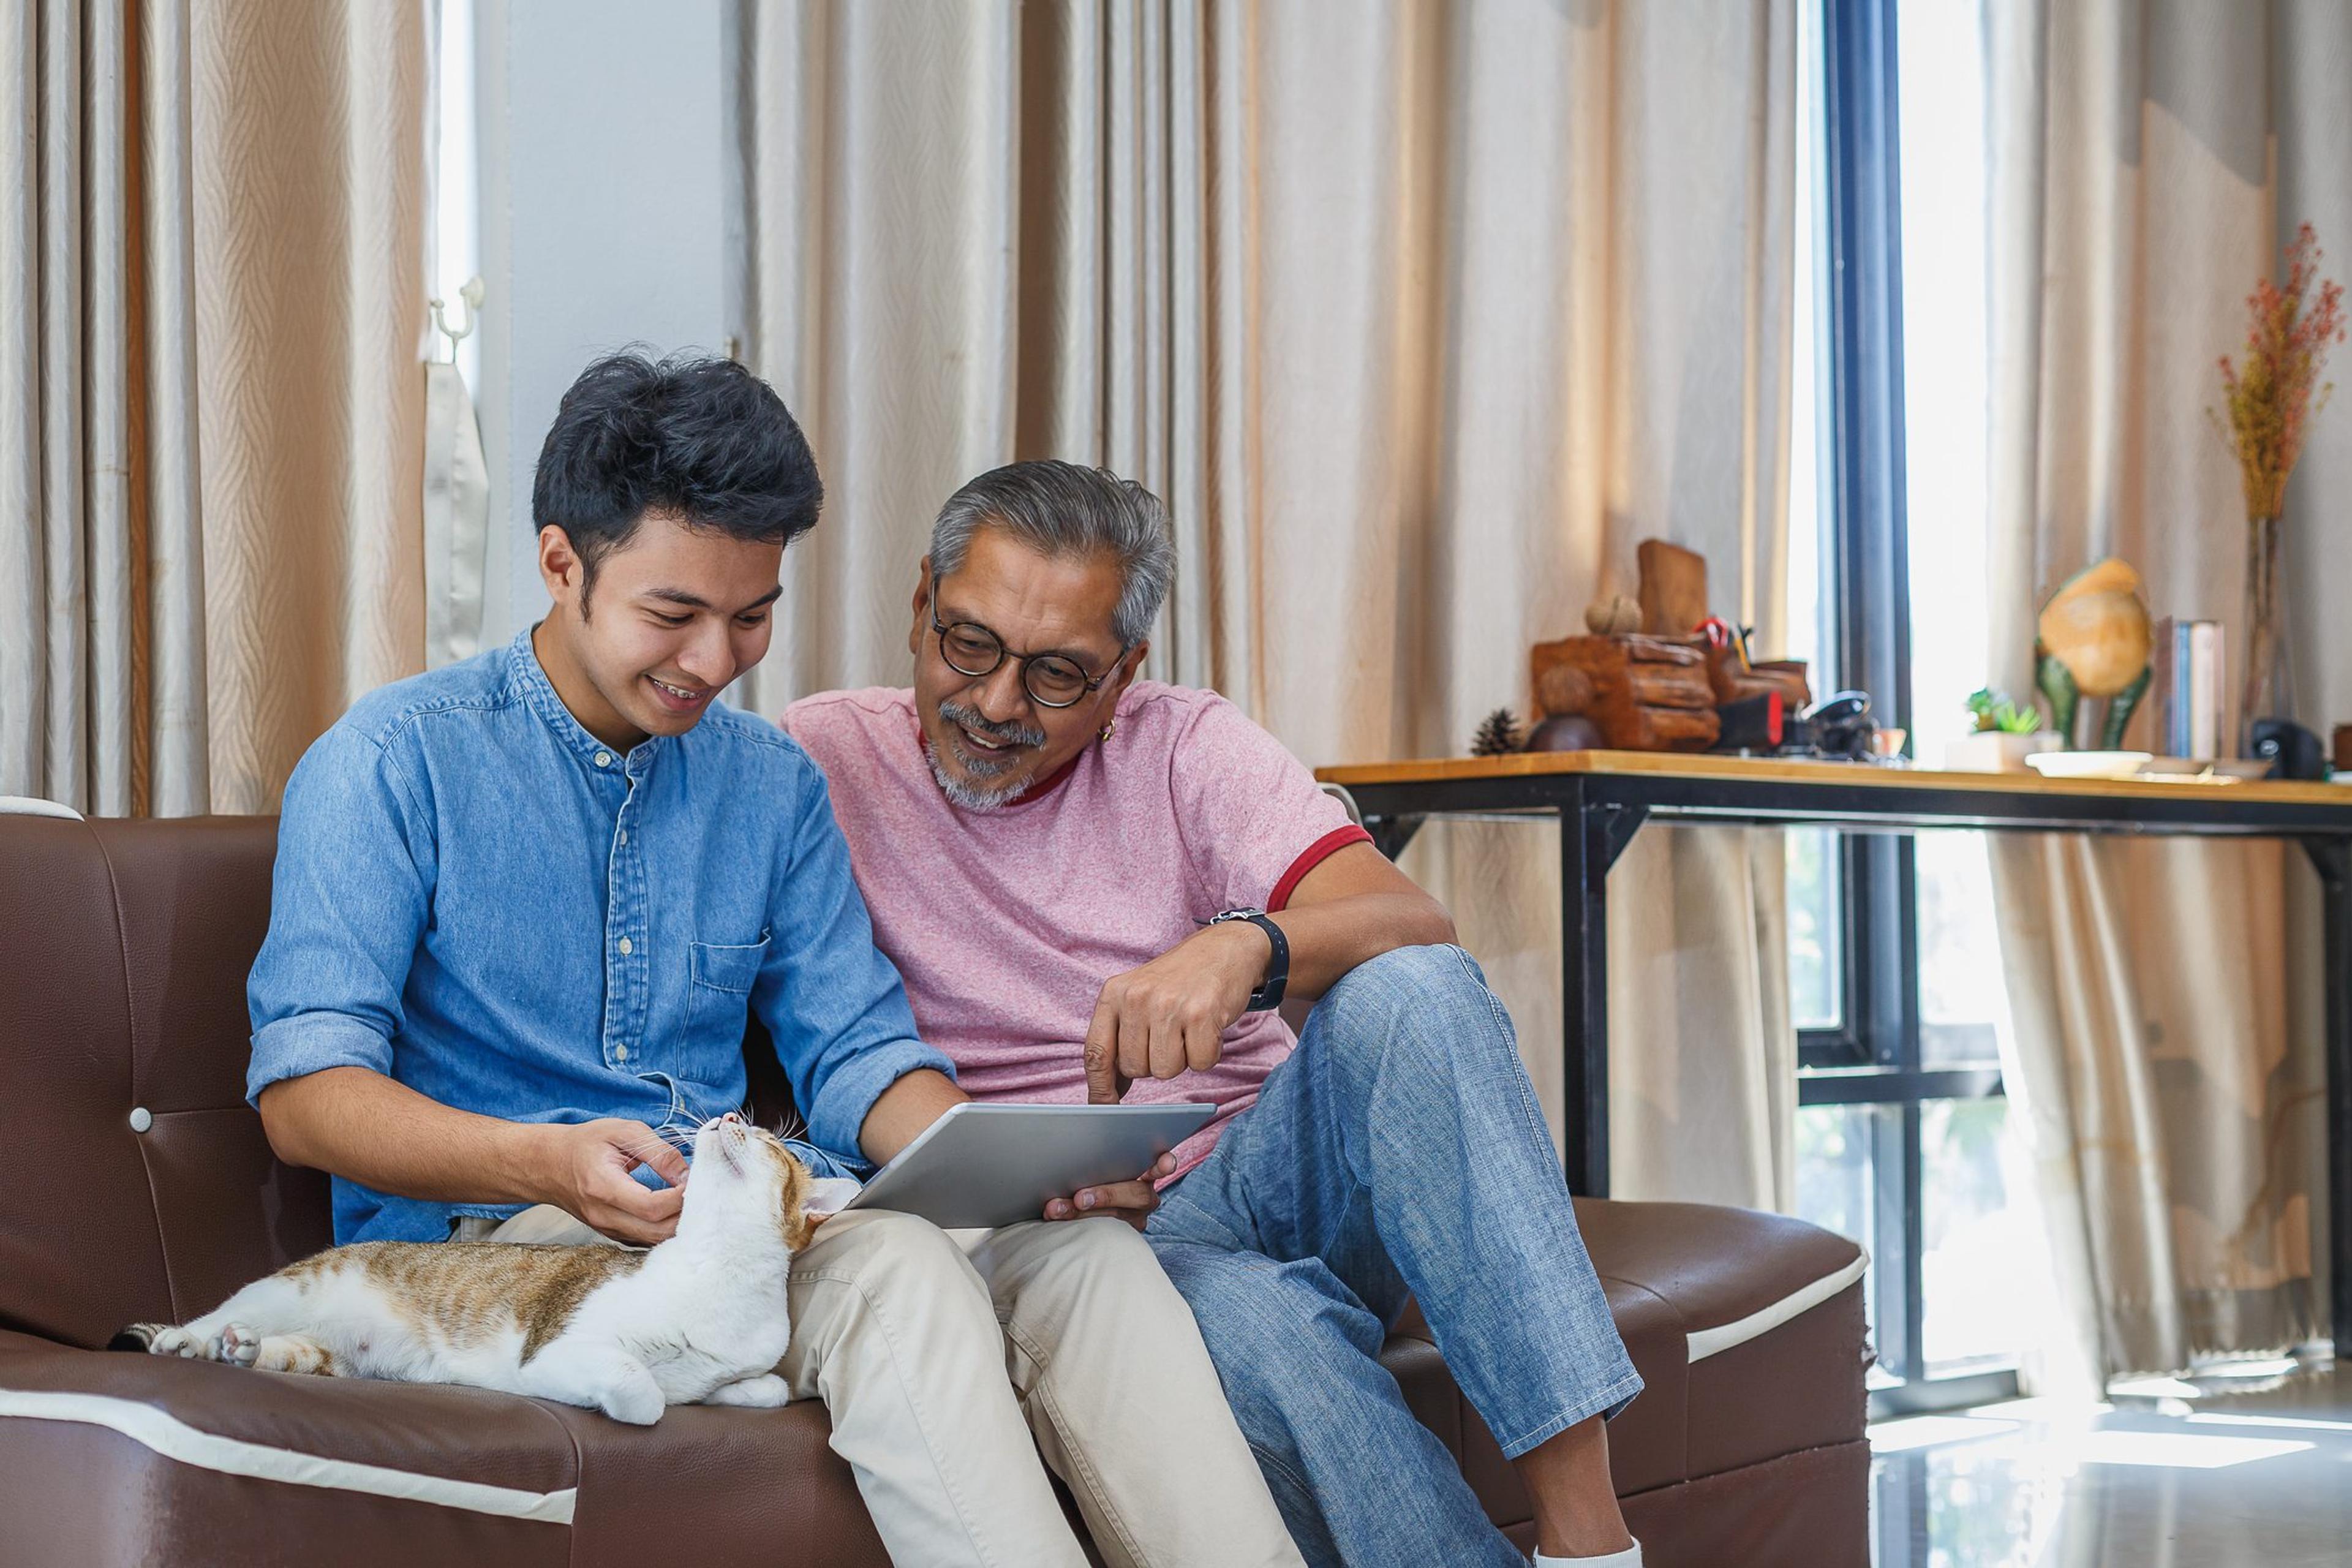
[235, 1344]
[178, 1341]
[766, 1392]
[637, 1401]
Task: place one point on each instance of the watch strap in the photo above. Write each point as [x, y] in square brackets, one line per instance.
[1270, 989]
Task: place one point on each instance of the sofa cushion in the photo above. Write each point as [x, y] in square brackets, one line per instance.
[188, 1447]
[1747, 1328]
[79, 1252]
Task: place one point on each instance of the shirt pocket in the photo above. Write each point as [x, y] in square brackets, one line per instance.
[720, 992]
[728, 966]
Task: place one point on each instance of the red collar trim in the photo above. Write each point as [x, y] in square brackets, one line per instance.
[1051, 781]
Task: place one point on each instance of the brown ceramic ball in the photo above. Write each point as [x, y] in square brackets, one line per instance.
[1571, 733]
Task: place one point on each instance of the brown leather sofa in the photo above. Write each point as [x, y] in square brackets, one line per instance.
[141, 1188]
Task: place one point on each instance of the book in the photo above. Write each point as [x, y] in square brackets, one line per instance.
[2189, 688]
[2205, 690]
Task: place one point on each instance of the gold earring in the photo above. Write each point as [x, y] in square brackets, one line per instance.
[1106, 729]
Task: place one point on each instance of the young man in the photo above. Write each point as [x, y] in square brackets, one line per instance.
[523, 909]
[1087, 880]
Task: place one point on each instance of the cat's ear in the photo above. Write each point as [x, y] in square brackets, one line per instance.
[797, 1225]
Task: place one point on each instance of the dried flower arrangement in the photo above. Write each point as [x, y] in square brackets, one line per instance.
[2268, 398]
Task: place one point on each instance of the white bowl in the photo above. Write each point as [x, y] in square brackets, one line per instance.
[2089, 765]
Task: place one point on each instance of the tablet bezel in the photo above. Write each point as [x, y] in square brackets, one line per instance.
[897, 1187]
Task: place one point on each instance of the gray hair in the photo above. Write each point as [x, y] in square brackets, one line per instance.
[1065, 510]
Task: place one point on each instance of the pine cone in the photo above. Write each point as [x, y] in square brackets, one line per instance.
[1497, 735]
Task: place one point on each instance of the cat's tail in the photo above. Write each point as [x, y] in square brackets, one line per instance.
[138, 1337]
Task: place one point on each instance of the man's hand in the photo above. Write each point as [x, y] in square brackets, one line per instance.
[1170, 1016]
[1130, 1201]
[589, 1166]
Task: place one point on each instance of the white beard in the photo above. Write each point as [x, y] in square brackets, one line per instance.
[969, 796]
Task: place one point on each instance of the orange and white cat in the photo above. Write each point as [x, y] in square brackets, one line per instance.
[699, 1319]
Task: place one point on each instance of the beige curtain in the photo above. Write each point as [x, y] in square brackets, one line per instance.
[2166, 1048]
[1420, 316]
[210, 281]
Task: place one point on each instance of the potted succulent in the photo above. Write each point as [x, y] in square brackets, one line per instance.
[2006, 735]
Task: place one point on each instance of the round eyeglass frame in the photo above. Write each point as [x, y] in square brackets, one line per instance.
[1028, 662]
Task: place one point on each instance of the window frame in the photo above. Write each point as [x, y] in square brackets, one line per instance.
[1873, 1058]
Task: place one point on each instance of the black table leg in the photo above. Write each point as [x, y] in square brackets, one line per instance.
[1584, 994]
[2332, 859]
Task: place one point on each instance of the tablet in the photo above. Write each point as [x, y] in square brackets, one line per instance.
[1000, 1165]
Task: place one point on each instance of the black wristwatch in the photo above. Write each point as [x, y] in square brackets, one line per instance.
[1277, 970]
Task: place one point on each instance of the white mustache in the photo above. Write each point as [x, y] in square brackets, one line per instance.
[1008, 734]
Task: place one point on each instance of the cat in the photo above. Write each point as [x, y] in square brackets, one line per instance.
[701, 1318]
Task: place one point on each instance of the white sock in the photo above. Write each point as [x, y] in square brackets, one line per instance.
[1629, 1558]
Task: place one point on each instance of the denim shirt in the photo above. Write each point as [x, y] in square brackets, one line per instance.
[478, 899]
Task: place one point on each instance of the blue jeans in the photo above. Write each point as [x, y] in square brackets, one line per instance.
[1398, 1150]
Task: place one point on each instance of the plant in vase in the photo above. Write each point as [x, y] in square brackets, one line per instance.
[2268, 399]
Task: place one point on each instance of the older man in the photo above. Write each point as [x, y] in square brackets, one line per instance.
[1088, 879]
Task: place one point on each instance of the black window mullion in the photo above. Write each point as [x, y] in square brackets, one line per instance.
[1865, 243]
[1863, 311]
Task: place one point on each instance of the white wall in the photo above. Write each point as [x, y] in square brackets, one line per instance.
[606, 208]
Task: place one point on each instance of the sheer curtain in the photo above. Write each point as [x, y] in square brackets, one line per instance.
[211, 297]
[1419, 317]
[2146, 159]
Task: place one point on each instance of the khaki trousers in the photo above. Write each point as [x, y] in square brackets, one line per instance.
[950, 1363]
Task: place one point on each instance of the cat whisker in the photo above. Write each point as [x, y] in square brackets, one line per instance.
[643, 1148]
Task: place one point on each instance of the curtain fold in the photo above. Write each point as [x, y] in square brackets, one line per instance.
[2167, 1069]
[1419, 317]
[211, 276]
[457, 533]
[883, 198]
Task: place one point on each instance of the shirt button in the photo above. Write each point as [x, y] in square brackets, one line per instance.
[627, 947]
[604, 759]
[625, 835]
[620, 1053]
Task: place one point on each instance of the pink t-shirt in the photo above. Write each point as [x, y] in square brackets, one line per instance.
[1005, 924]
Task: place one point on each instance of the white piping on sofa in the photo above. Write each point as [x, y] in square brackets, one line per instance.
[175, 1439]
[1705, 1342]
[27, 805]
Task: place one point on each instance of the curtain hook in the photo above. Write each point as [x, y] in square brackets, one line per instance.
[472, 295]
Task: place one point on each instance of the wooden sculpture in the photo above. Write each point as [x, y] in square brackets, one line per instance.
[1674, 588]
[1644, 693]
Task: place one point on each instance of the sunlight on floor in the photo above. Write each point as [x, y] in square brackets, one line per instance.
[2145, 1480]
[2179, 1450]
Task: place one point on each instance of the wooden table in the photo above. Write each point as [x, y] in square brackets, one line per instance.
[1602, 798]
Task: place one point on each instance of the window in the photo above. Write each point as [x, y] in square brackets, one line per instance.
[1895, 968]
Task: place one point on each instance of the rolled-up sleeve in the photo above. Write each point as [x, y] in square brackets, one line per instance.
[348, 902]
[836, 1007]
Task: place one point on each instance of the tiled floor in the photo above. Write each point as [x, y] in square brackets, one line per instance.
[2216, 1474]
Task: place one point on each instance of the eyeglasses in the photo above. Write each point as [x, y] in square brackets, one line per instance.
[1051, 680]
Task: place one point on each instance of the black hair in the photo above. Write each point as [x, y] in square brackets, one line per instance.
[697, 436]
